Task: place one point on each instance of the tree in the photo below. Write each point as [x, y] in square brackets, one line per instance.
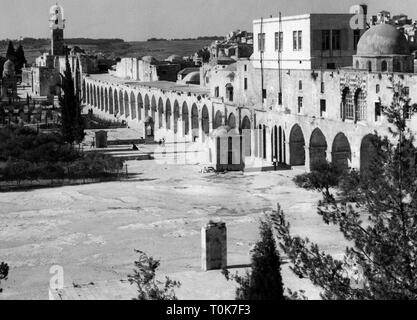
[11, 52]
[148, 287]
[381, 262]
[72, 121]
[20, 59]
[264, 282]
[4, 272]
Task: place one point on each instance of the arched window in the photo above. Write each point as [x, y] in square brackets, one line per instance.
[384, 66]
[357, 64]
[360, 105]
[347, 105]
[229, 92]
[369, 65]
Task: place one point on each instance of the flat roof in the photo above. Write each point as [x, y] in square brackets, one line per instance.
[299, 17]
[161, 85]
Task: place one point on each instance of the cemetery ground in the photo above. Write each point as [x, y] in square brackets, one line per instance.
[92, 230]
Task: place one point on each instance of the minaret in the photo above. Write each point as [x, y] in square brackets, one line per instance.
[57, 26]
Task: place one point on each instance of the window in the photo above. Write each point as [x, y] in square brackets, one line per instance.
[245, 83]
[261, 42]
[377, 111]
[300, 85]
[278, 41]
[407, 91]
[356, 37]
[263, 94]
[322, 108]
[322, 87]
[216, 92]
[347, 105]
[357, 64]
[280, 98]
[378, 88]
[360, 106]
[246, 67]
[229, 92]
[281, 41]
[331, 65]
[369, 65]
[300, 40]
[300, 104]
[336, 40]
[325, 39]
[294, 40]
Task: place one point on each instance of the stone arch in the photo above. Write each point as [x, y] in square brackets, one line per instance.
[121, 106]
[297, 146]
[218, 120]
[168, 114]
[246, 137]
[176, 115]
[147, 106]
[185, 119]
[116, 102]
[341, 152]
[318, 147]
[132, 105]
[153, 107]
[160, 112]
[205, 121]
[106, 100]
[368, 153]
[194, 121]
[140, 106]
[126, 104]
[231, 122]
[84, 92]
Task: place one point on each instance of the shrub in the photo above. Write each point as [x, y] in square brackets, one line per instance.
[4, 272]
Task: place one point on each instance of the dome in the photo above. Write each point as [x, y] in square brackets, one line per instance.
[192, 78]
[56, 9]
[8, 69]
[383, 39]
[174, 58]
[149, 59]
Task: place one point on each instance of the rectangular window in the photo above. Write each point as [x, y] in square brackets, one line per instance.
[280, 98]
[216, 92]
[322, 87]
[322, 108]
[278, 41]
[325, 40]
[245, 83]
[281, 41]
[294, 40]
[261, 42]
[336, 40]
[377, 111]
[246, 67]
[356, 37]
[263, 94]
[300, 85]
[300, 40]
[300, 104]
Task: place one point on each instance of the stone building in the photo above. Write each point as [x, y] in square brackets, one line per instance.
[300, 98]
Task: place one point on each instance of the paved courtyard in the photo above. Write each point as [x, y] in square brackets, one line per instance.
[92, 230]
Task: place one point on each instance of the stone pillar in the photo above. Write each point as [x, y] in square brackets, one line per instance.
[268, 146]
[214, 246]
[287, 152]
[307, 158]
[180, 129]
[200, 130]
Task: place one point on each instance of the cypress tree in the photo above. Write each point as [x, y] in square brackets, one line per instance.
[20, 59]
[381, 263]
[11, 52]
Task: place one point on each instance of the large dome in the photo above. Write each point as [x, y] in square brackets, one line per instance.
[383, 39]
[8, 69]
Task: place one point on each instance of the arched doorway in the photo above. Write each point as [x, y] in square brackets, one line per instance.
[126, 104]
[218, 120]
[94, 96]
[101, 99]
[133, 105]
[121, 106]
[185, 119]
[318, 148]
[147, 106]
[153, 107]
[111, 110]
[368, 153]
[297, 147]
[194, 122]
[116, 102]
[231, 121]
[149, 128]
[168, 114]
[140, 106]
[246, 137]
[176, 116]
[341, 153]
[160, 113]
[106, 100]
[205, 122]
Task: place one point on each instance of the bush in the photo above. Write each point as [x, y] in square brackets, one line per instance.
[4, 272]
[148, 287]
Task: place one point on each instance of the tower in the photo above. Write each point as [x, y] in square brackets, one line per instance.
[57, 26]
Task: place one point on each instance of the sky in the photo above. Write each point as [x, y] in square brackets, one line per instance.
[137, 20]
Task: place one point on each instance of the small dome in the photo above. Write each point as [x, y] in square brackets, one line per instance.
[149, 59]
[174, 58]
[192, 78]
[8, 69]
[383, 39]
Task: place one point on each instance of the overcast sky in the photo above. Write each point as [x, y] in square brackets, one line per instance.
[142, 19]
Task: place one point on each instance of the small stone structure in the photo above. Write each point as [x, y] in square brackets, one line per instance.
[214, 246]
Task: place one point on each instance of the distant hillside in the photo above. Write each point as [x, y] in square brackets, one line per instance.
[210, 38]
